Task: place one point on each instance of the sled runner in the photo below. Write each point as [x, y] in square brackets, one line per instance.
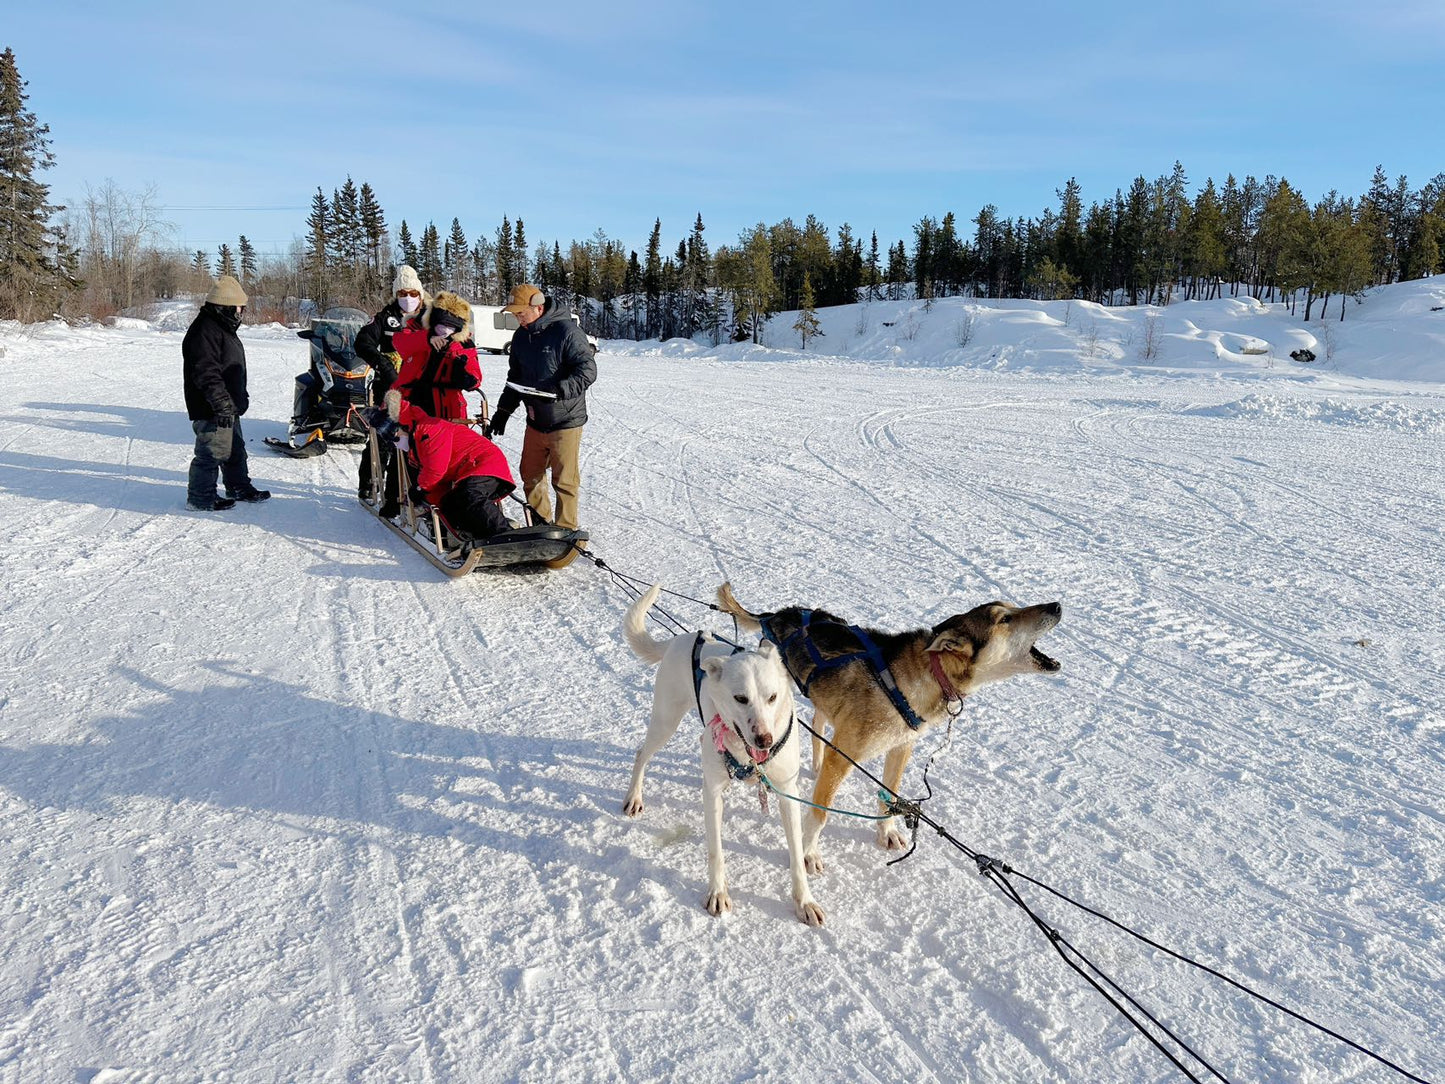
[333, 392]
[425, 529]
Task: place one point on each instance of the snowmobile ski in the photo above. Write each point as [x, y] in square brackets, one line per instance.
[314, 444]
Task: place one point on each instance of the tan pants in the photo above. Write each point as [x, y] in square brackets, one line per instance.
[557, 452]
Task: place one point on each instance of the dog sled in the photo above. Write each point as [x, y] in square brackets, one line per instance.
[332, 393]
[422, 527]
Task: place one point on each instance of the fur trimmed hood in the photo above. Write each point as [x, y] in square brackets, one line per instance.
[402, 412]
[449, 303]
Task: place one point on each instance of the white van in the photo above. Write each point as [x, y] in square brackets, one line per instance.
[492, 327]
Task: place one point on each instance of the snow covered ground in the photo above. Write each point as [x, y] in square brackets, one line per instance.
[278, 802]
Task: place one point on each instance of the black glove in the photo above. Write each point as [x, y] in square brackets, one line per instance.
[225, 421]
[498, 426]
[415, 495]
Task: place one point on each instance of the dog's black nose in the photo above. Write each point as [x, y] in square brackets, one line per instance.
[1055, 608]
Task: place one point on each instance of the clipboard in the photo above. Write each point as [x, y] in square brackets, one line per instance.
[535, 393]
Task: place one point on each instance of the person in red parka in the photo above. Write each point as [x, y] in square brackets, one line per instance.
[457, 470]
[439, 362]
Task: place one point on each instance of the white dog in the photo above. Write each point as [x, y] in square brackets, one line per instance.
[746, 700]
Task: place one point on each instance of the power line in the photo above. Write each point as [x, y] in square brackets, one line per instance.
[201, 208]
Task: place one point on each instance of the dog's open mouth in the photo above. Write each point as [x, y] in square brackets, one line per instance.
[1044, 662]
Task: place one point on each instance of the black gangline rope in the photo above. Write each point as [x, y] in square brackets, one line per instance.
[998, 873]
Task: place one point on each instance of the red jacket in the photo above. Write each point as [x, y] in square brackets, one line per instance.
[447, 453]
[434, 382]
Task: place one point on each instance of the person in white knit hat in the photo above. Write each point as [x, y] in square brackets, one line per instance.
[408, 308]
[214, 374]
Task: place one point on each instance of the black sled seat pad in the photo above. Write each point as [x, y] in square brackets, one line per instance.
[544, 542]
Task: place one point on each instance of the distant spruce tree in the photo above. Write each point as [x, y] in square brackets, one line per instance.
[697, 275]
[949, 265]
[559, 279]
[873, 274]
[225, 261]
[201, 263]
[632, 291]
[432, 273]
[652, 280]
[348, 243]
[319, 250]
[1068, 243]
[519, 253]
[897, 270]
[32, 255]
[249, 267]
[806, 325]
[406, 247]
[847, 277]
[484, 268]
[506, 262]
[923, 256]
[456, 259]
[373, 227]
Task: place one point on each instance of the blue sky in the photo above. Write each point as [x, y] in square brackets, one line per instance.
[576, 117]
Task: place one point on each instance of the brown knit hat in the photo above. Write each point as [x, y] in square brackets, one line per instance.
[525, 297]
[226, 291]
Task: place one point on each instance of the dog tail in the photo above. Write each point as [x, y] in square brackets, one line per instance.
[634, 628]
[729, 604]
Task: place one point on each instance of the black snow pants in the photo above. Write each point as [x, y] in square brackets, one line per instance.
[472, 509]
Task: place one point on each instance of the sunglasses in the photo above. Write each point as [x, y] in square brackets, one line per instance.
[408, 293]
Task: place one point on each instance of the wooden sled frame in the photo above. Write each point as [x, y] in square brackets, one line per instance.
[422, 528]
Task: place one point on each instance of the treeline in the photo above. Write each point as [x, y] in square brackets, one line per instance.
[1152, 243]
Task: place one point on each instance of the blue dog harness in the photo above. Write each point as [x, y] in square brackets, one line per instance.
[868, 651]
[735, 768]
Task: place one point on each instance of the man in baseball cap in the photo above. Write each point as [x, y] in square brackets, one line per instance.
[552, 359]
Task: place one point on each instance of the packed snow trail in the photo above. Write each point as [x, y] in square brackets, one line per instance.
[281, 802]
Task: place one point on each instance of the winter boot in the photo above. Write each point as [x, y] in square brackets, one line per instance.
[251, 495]
[215, 504]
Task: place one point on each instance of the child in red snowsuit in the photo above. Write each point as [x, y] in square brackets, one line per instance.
[457, 470]
[439, 362]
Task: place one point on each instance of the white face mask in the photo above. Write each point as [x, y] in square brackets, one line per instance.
[409, 304]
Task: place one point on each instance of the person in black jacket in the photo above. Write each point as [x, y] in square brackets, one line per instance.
[551, 367]
[408, 307]
[214, 368]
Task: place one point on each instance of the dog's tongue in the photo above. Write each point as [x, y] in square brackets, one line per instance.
[758, 755]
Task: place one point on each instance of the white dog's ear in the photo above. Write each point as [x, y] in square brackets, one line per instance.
[950, 640]
[767, 649]
[713, 667]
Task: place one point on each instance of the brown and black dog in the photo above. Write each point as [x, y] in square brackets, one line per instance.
[933, 668]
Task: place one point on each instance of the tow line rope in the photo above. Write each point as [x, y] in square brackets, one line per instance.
[997, 873]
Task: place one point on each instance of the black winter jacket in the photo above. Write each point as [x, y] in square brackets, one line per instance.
[551, 354]
[373, 342]
[214, 367]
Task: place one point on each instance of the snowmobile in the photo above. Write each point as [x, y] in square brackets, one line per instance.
[331, 396]
[425, 529]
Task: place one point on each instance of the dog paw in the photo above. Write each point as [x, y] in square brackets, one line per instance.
[813, 863]
[632, 806]
[892, 840]
[719, 902]
[808, 912]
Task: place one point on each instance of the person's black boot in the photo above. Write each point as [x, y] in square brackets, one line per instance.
[215, 504]
[252, 495]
